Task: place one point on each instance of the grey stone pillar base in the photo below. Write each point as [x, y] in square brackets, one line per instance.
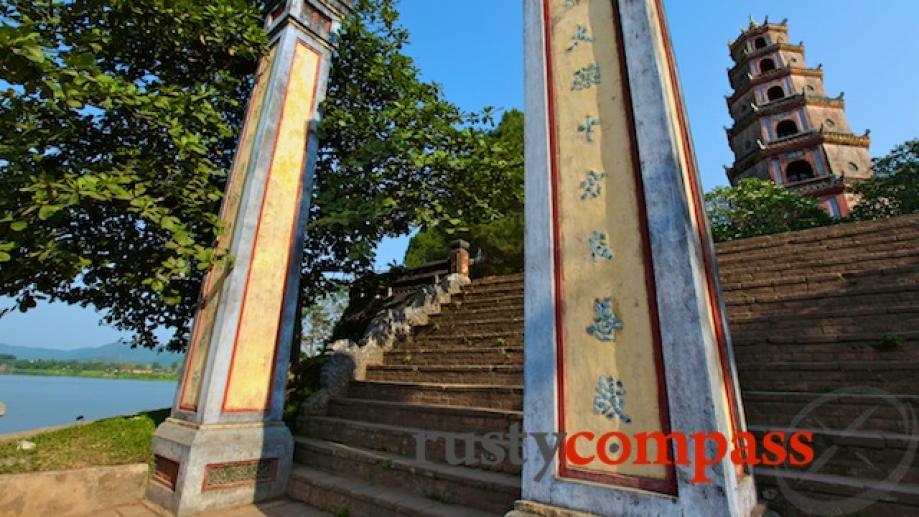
[201, 468]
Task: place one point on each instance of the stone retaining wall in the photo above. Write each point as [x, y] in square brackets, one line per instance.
[68, 493]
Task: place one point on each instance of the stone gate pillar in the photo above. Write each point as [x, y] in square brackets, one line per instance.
[625, 329]
[225, 443]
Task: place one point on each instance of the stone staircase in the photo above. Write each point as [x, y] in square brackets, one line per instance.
[823, 310]
[810, 312]
[461, 373]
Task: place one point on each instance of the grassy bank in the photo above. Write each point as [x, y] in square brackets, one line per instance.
[113, 441]
[95, 374]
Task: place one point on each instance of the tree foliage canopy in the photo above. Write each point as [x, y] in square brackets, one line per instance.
[119, 120]
[496, 233]
[759, 207]
[395, 154]
[894, 189]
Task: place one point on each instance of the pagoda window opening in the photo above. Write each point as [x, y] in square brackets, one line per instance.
[759, 43]
[766, 65]
[799, 170]
[775, 93]
[786, 128]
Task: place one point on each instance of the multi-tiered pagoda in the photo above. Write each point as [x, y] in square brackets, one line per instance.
[786, 129]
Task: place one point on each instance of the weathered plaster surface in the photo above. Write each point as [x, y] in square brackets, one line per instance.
[66, 493]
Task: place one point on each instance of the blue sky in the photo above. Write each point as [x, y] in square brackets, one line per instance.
[474, 48]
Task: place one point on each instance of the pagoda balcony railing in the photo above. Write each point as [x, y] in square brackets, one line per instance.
[739, 71]
[812, 186]
[794, 142]
[777, 73]
[783, 104]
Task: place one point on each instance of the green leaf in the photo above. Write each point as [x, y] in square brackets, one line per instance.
[33, 53]
[19, 226]
[48, 211]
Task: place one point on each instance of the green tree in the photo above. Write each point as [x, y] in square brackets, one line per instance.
[894, 188]
[759, 207]
[498, 232]
[119, 120]
[394, 155]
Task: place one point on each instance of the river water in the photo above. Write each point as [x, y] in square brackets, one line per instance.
[38, 401]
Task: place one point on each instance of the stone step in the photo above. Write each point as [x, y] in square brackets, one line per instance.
[897, 264]
[801, 297]
[858, 454]
[895, 229]
[463, 327]
[731, 283]
[459, 302]
[502, 279]
[793, 341]
[461, 374]
[426, 416]
[886, 413]
[452, 312]
[821, 261]
[358, 498]
[466, 331]
[854, 275]
[455, 356]
[407, 441]
[504, 298]
[882, 331]
[501, 338]
[827, 494]
[856, 308]
[778, 287]
[482, 490]
[830, 325]
[747, 337]
[494, 289]
[870, 289]
[820, 377]
[820, 251]
[821, 278]
[841, 233]
[463, 395]
[876, 349]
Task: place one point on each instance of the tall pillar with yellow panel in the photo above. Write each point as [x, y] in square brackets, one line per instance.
[627, 351]
[225, 443]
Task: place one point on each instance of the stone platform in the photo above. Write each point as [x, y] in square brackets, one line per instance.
[279, 508]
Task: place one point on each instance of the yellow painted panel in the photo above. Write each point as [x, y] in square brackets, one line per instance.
[593, 135]
[249, 382]
[229, 211]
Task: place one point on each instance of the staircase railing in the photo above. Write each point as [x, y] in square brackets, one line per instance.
[375, 292]
[408, 280]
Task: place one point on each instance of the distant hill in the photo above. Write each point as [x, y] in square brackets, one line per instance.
[113, 353]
